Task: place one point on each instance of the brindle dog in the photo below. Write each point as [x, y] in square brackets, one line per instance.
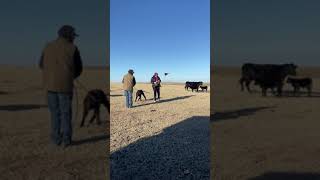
[93, 100]
[140, 93]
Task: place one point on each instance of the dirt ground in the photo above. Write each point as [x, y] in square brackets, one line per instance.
[256, 137]
[164, 140]
[26, 152]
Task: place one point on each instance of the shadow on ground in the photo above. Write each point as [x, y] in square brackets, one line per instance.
[3, 93]
[288, 93]
[93, 139]
[116, 95]
[21, 107]
[228, 115]
[302, 94]
[163, 101]
[287, 175]
[179, 151]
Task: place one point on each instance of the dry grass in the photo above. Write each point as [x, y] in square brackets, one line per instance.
[167, 139]
[253, 135]
[26, 152]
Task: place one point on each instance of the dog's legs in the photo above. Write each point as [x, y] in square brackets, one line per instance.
[85, 113]
[93, 117]
[97, 112]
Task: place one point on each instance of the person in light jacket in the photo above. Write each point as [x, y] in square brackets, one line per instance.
[129, 82]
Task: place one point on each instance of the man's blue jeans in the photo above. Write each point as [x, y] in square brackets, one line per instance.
[128, 95]
[60, 106]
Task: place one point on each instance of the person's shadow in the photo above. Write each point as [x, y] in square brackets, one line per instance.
[163, 101]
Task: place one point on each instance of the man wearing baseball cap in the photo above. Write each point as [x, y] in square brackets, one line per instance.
[61, 63]
[129, 82]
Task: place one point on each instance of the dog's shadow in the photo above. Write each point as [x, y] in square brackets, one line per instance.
[162, 101]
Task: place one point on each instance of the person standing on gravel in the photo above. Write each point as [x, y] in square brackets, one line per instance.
[155, 81]
[61, 63]
[129, 82]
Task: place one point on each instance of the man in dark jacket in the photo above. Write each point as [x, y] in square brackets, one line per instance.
[61, 63]
[155, 81]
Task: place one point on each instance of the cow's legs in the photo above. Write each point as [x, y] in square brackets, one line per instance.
[264, 91]
[241, 83]
[248, 85]
[309, 91]
[144, 97]
[298, 91]
[279, 91]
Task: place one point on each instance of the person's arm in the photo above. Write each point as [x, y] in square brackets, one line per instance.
[159, 79]
[152, 80]
[77, 63]
[134, 81]
[41, 62]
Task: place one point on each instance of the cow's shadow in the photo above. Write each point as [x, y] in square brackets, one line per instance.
[302, 94]
[288, 93]
[234, 114]
[287, 175]
[162, 101]
[21, 107]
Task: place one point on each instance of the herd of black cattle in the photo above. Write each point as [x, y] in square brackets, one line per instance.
[195, 86]
[272, 76]
[267, 76]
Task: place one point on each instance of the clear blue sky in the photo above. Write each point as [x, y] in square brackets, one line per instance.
[271, 31]
[160, 36]
[27, 25]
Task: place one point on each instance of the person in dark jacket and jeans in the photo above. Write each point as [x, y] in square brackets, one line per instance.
[61, 63]
[155, 81]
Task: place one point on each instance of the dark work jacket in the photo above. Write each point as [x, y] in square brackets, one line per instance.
[153, 79]
[60, 63]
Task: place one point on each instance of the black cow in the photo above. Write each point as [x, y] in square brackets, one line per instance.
[298, 83]
[266, 76]
[187, 85]
[193, 85]
[204, 88]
